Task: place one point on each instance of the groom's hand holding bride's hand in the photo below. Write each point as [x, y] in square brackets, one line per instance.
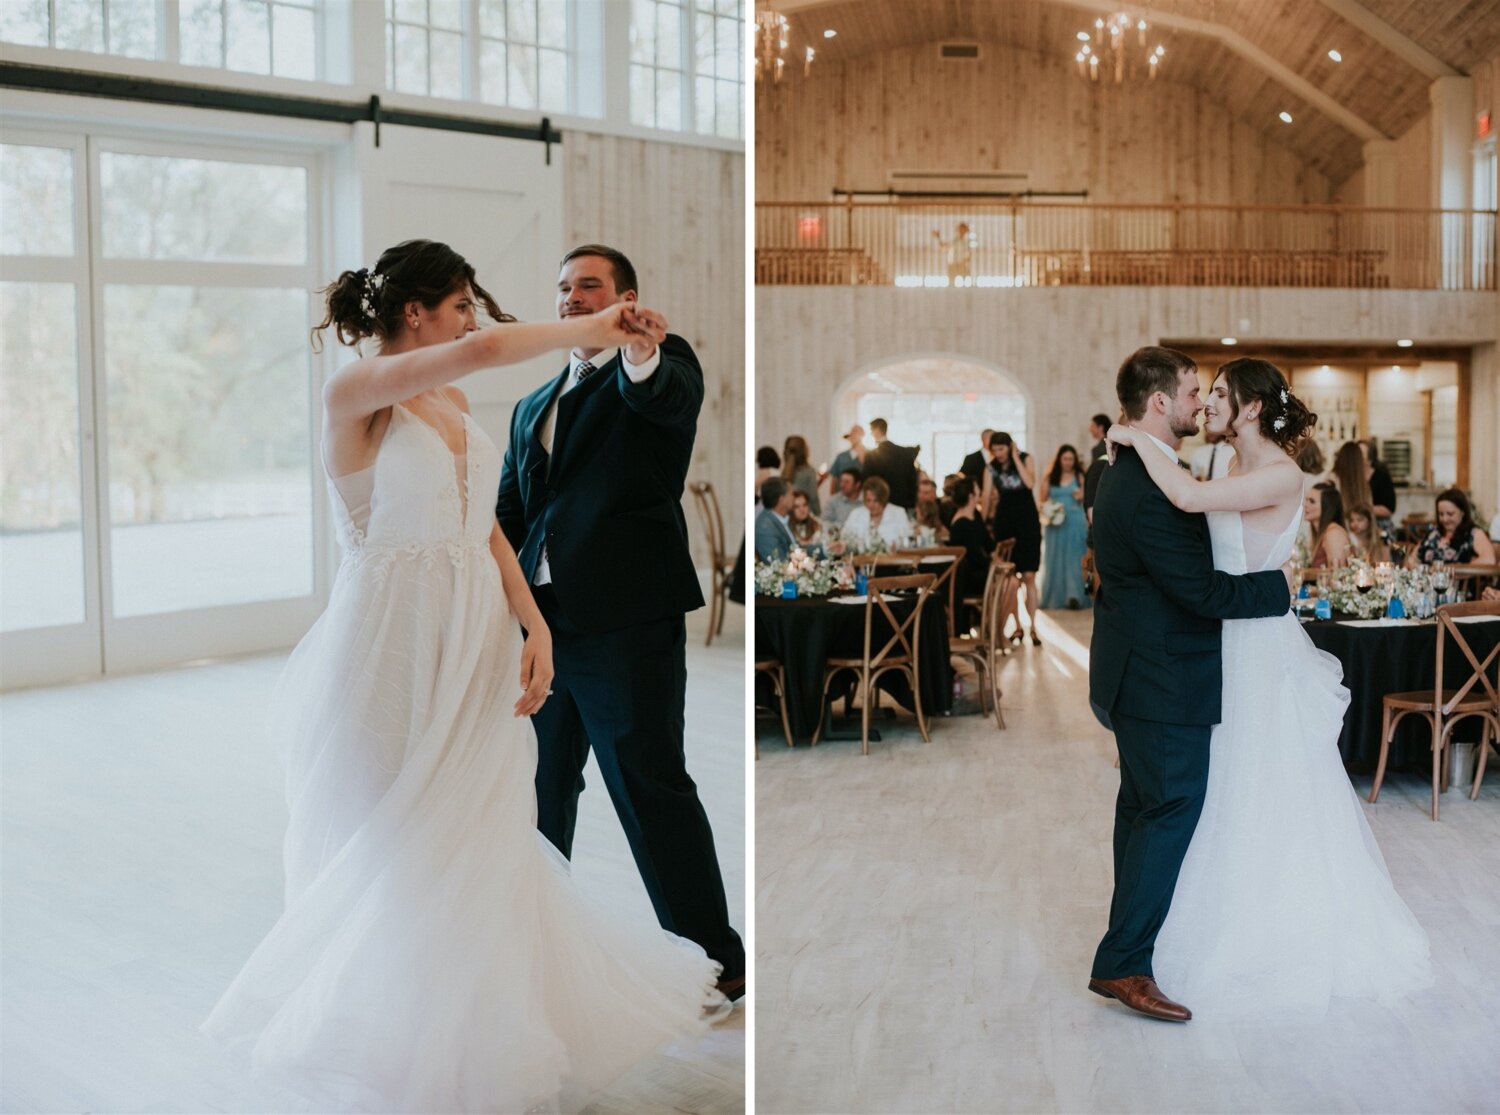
[536, 671]
[650, 330]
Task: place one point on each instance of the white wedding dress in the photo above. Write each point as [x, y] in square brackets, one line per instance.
[434, 954]
[1284, 901]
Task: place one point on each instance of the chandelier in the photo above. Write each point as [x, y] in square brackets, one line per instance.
[1107, 46]
[772, 36]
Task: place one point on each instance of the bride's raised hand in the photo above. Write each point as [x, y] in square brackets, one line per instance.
[536, 671]
[1117, 435]
[613, 327]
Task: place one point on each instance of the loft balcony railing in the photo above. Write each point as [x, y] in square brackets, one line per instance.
[1025, 244]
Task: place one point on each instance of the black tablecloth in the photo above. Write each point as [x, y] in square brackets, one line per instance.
[1381, 660]
[804, 633]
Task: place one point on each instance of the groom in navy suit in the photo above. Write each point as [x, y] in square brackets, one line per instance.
[1155, 668]
[591, 499]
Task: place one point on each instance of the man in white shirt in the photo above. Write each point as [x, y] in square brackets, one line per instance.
[1211, 460]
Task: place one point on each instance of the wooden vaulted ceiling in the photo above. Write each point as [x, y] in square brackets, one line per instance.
[1391, 50]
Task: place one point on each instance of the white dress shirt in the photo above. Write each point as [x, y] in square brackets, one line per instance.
[1209, 462]
[638, 373]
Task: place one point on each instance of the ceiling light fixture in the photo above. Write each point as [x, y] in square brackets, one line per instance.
[1335, 55]
[1403, 343]
[1121, 59]
[830, 33]
[1227, 341]
[1286, 117]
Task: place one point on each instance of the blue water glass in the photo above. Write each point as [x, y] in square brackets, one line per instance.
[1302, 591]
[861, 582]
[789, 590]
[1324, 609]
[1395, 609]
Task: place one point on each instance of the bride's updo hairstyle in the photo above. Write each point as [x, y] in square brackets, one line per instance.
[1283, 417]
[369, 303]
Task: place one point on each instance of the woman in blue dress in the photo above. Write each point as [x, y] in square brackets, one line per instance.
[1065, 542]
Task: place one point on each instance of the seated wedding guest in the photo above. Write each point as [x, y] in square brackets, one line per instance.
[895, 464]
[845, 498]
[1349, 475]
[767, 464]
[878, 518]
[1455, 540]
[1310, 461]
[773, 537]
[797, 472]
[1323, 510]
[1382, 487]
[1364, 535]
[928, 513]
[1098, 426]
[806, 529]
[968, 530]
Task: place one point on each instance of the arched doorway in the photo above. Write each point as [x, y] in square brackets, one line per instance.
[939, 402]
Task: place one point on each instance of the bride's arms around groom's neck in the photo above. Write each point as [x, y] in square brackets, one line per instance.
[1273, 484]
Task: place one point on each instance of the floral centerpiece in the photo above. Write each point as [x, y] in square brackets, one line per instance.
[1379, 586]
[863, 544]
[1053, 513]
[812, 576]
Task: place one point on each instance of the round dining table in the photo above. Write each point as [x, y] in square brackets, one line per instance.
[804, 633]
[1381, 657]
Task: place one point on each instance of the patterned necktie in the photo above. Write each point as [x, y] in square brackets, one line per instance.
[585, 369]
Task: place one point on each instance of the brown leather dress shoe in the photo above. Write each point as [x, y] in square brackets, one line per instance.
[1141, 994]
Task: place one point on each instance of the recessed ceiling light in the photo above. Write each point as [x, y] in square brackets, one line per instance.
[1227, 341]
[1335, 55]
[1403, 343]
[830, 33]
[1083, 36]
[1286, 117]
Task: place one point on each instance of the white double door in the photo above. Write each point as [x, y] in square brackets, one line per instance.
[161, 494]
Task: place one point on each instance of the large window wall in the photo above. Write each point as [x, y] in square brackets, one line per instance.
[156, 390]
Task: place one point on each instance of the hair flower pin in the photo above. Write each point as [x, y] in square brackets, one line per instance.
[1279, 424]
[374, 283]
[1285, 396]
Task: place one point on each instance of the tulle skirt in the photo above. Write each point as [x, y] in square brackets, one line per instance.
[434, 954]
[1284, 901]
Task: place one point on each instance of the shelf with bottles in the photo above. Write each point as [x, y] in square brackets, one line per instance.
[1341, 417]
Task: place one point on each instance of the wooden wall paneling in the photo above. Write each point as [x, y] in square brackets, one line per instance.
[678, 211]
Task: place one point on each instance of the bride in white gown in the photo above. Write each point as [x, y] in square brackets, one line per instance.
[434, 955]
[1284, 901]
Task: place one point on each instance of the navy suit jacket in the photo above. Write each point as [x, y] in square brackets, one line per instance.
[773, 541]
[608, 500]
[1156, 652]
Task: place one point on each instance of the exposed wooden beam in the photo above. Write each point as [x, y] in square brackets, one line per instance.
[1387, 36]
[1233, 40]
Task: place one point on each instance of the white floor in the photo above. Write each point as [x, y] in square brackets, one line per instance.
[142, 823]
[926, 916]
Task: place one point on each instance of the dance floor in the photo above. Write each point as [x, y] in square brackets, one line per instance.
[926, 916]
[142, 824]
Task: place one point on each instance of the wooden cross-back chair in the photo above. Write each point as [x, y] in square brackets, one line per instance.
[722, 561]
[900, 652]
[776, 675]
[1442, 707]
[946, 585]
[1469, 581]
[984, 650]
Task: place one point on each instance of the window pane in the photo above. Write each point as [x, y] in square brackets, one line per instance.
[41, 537]
[729, 109]
[703, 105]
[164, 208]
[728, 65]
[411, 11]
[447, 64]
[642, 96]
[492, 18]
[642, 31]
[731, 7]
[668, 99]
[447, 14]
[201, 33]
[295, 31]
[553, 80]
[132, 28]
[36, 200]
[521, 86]
[80, 24]
[521, 21]
[210, 494]
[703, 45]
[248, 38]
[492, 72]
[24, 21]
[553, 28]
[669, 36]
[411, 59]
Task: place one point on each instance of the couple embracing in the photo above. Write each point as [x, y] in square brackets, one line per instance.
[1246, 876]
[434, 953]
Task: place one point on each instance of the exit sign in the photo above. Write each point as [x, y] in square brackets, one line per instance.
[1483, 126]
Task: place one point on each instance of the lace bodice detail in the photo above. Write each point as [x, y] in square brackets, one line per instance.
[1239, 548]
[412, 499]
